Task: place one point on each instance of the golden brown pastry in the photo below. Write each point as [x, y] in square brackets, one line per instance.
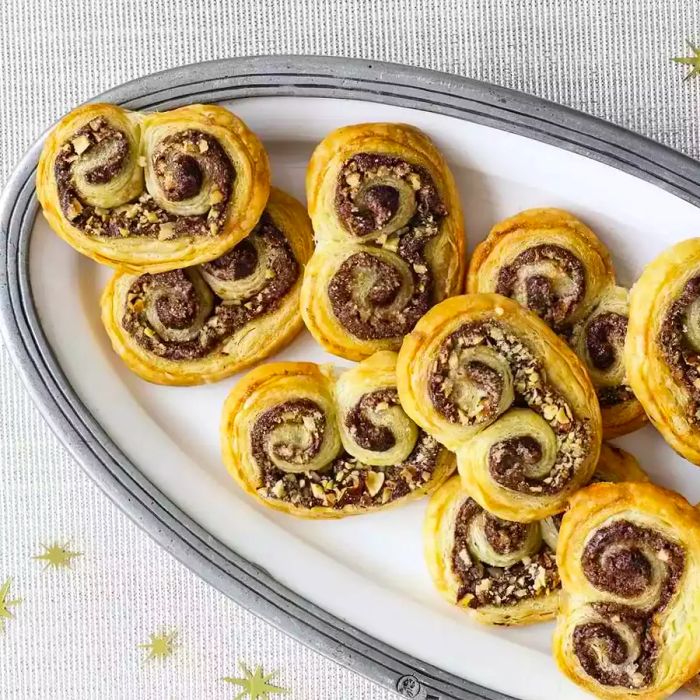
[493, 383]
[662, 352]
[629, 560]
[302, 441]
[204, 323]
[693, 685]
[554, 265]
[389, 237]
[152, 192]
[502, 572]
[614, 466]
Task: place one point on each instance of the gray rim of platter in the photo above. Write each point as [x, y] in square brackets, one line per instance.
[297, 76]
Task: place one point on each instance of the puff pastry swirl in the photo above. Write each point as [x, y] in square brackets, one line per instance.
[662, 352]
[501, 572]
[152, 192]
[389, 237]
[206, 322]
[554, 265]
[493, 383]
[303, 441]
[629, 560]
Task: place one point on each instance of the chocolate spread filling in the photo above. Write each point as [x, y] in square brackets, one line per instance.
[300, 411]
[179, 306]
[509, 458]
[531, 390]
[683, 360]
[605, 336]
[345, 481]
[532, 576]
[364, 292]
[597, 642]
[237, 263]
[366, 434]
[613, 395]
[541, 296]
[181, 163]
[616, 560]
[505, 536]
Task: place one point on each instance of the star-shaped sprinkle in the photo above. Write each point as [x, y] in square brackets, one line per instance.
[256, 685]
[6, 602]
[57, 556]
[160, 646]
[692, 61]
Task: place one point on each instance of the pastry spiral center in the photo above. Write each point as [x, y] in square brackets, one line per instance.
[520, 454]
[101, 161]
[379, 194]
[470, 385]
[177, 304]
[292, 436]
[375, 429]
[634, 563]
[376, 295]
[383, 202]
[182, 176]
[362, 422]
[189, 173]
[547, 279]
[238, 263]
[505, 537]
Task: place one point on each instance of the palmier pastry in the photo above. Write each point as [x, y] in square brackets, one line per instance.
[662, 353]
[152, 192]
[203, 323]
[502, 572]
[492, 382]
[302, 441]
[629, 561]
[555, 266]
[389, 237]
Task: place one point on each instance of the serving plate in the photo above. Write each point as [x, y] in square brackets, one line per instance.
[357, 589]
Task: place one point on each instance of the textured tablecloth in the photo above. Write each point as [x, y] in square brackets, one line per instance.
[75, 634]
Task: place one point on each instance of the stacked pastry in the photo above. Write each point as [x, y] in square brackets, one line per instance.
[518, 536]
[514, 384]
[209, 258]
[389, 245]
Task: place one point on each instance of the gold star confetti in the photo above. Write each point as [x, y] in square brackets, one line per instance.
[692, 61]
[57, 556]
[6, 603]
[160, 646]
[255, 685]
